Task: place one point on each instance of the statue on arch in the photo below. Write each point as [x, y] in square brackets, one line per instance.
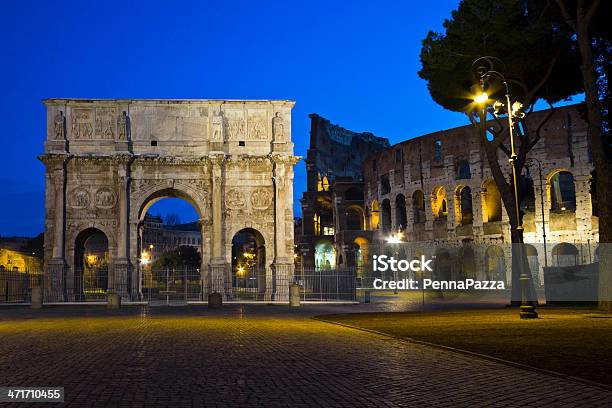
[59, 125]
[122, 126]
[278, 127]
[217, 126]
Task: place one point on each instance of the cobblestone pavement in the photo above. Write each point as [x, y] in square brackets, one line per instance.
[253, 356]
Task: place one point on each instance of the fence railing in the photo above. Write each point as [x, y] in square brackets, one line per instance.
[187, 284]
[16, 286]
[90, 284]
[327, 284]
[171, 284]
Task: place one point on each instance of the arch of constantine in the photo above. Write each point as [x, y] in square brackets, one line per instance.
[108, 161]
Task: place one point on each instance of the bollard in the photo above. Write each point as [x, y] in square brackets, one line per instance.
[215, 300]
[294, 295]
[37, 297]
[113, 301]
[366, 296]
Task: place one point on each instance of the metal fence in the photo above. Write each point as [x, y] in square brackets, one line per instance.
[16, 286]
[182, 285]
[327, 284]
[90, 284]
[172, 285]
[248, 284]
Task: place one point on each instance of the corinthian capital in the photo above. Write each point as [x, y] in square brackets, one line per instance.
[278, 158]
[217, 158]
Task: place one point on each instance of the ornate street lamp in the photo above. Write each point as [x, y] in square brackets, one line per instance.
[485, 69]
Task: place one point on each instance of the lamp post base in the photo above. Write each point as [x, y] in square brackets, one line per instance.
[528, 312]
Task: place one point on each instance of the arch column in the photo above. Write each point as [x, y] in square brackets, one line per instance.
[56, 266]
[393, 215]
[451, 212]
[340, 219]
[409, 215]
[205, 229]
[429, 214]
[139, 230]
[125, 282]
[134, 235]
[584, 209]
[283, 265]
[217, 262]
[477, 216]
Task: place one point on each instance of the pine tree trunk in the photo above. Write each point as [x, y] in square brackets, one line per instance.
[602, 167]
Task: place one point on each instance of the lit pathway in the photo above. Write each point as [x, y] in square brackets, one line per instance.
[253, 356]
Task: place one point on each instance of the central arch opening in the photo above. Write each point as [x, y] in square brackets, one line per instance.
[249, 264]
[170, 248]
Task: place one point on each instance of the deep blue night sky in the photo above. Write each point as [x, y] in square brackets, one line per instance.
[354, 65]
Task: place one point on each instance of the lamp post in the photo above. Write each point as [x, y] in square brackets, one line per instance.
[395, 240]
[485, 69]
[531, 160]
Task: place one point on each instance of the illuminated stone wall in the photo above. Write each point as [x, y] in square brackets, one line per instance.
[437, 162]
[15, 260]
[333, 215]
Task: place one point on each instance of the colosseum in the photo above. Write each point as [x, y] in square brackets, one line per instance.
[438, 189]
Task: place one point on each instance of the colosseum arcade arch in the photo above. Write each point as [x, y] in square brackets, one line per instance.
[108, 161]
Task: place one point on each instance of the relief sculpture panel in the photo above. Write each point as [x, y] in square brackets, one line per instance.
[105, 198]
[261, 199]
[235, 199]
[105, 123]
[82, 124]
[257, 126]
[234, 125]
[79, 198]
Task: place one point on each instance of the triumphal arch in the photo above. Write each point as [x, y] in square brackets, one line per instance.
[108, 161]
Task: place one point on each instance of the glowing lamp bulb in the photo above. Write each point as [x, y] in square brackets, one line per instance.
[481, 98]
[394, 239]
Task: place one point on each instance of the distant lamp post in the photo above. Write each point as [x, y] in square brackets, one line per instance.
[485, 69]
[395, 240]
[145, 258]
[530, 161]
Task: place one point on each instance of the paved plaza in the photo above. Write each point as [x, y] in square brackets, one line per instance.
[253, 355]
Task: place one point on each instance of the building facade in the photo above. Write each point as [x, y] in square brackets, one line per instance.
[20, 261]
[159, 238]
[438, 189]
[333, 217]
[108, 161]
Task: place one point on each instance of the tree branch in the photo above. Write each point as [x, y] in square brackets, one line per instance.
[538, 135]
[549, 70]
[498, 143]
[591, 12]
[568, 18]
[492, 159]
